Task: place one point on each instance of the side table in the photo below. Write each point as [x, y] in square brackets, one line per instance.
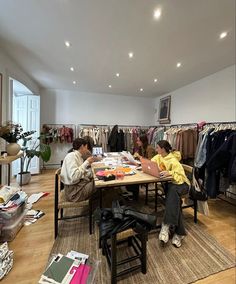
[7, 161]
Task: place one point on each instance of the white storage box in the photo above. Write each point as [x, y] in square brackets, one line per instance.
[8, 232]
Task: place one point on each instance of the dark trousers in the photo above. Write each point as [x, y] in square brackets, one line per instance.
[173, 202]
[134, 188]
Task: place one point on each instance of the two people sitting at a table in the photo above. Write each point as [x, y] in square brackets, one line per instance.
[168, 162]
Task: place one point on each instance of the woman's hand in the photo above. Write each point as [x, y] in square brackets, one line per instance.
[137, 156]
[165, 174]
[91, 160]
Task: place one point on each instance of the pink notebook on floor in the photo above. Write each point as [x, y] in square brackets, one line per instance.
[81, 274]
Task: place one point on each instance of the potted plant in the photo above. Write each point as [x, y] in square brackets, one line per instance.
[12, 133]
[37, 149]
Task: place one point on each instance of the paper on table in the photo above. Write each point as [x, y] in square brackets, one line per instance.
[129, 157]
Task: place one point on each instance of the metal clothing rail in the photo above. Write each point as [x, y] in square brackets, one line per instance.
[183, 124]
[119, 125]
[225, 122]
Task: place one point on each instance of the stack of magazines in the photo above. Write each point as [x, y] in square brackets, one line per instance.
[11, 197]
[67, 269]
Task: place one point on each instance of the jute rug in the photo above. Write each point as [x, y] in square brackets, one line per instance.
[199, 256]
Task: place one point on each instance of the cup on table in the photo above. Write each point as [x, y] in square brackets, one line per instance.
[120, 174]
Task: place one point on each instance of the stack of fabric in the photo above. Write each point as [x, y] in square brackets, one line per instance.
[6, 260]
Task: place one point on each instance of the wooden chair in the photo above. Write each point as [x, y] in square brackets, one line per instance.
[189, 173]
[159, 191]
[138, 242]
[60, 204]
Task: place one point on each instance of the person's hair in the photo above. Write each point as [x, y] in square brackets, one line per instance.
[165, 144]
[78, 142]
[143, 138]
[90, 142]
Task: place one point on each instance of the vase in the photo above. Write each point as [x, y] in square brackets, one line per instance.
[13, 149]
[23, 178]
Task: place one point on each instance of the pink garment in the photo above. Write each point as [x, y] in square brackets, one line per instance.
[81, 274]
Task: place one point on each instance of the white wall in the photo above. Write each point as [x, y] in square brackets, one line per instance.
[212, 99]
[58, 106]
[8, 68]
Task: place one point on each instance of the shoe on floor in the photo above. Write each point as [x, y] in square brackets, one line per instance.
[177, 240]
[164, 233]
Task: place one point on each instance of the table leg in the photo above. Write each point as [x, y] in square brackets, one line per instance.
[100, 197]
[9, 174]
[155, 197]
[21, 170]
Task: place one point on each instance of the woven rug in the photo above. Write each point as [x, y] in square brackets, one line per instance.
[200, 255]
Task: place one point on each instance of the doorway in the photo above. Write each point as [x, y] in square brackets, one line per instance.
[25, 111]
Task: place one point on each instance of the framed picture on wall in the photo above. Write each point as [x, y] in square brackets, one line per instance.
[164, 110]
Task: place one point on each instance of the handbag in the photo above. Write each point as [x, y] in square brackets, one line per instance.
[120, 218]
[197, 190]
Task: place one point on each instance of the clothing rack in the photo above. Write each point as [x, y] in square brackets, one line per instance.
[231, 124]
[228, 122]
[119, 125]
[183, 124]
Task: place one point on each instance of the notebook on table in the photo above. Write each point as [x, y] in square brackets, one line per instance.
[150, 167]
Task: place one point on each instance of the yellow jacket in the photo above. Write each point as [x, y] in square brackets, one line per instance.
[171, 164]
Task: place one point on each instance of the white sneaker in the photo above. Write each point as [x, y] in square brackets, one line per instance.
[164, 233]
[176, 240]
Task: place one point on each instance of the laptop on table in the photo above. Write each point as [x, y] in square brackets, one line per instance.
[150, 167]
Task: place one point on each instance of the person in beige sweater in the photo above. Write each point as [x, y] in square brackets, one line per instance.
[76, 172]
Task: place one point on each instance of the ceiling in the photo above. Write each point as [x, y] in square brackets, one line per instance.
[103, 32]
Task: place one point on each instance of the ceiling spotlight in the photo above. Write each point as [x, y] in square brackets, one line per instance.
[72, 69]
[155, 80]
[74, 82]
[223, 35]
[117, 74]
[131, 55]
[141, 90]
[179, 64]
[109, 86]
[157, 14]
[67, 43]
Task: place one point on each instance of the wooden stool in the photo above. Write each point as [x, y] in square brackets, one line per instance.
[138, 241]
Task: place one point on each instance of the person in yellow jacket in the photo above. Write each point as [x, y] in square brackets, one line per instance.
[168, 162]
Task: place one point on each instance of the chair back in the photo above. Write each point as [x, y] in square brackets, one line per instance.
[188, 171]
[58, 186]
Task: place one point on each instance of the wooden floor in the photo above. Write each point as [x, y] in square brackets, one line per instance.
[33, 243]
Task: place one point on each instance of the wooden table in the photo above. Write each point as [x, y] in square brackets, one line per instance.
[7, 161]
[138, 178]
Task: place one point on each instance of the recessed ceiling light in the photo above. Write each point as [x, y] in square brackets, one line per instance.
[131, 55]
[74, 82]
[223, 35]
[67, 43]
[179, 64]
[117, 74]
[157, 14]
[155, 80]
[72, 69]
[141, 90]
[109, 86]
